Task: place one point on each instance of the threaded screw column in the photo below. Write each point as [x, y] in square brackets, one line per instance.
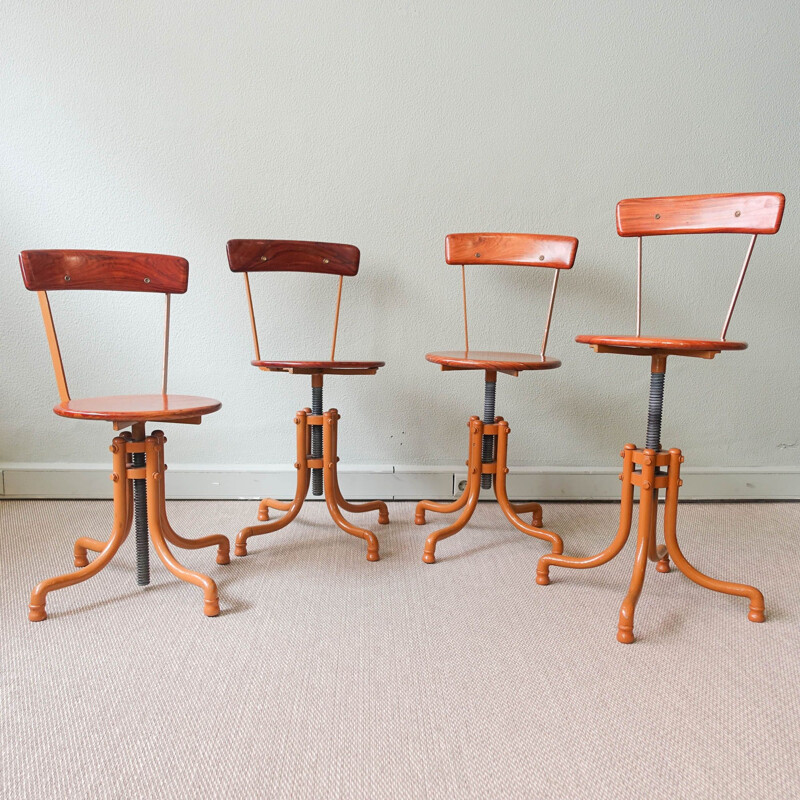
[140, 521]
[316, 436]
[487, 445]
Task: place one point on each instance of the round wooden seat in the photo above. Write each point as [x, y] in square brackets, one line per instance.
[649, 343]
[488, 359]
[139, 407]
[321, 367]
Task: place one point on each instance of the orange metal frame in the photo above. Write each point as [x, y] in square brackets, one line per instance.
[161, 532]
[469, 499]
[333, 496]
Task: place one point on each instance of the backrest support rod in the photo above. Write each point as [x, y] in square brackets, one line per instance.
[252, 315]
[550, 310]
[165, 369]
[639, 288]
[336, 319]
[738, 286]
[55, 350]
[464, 295]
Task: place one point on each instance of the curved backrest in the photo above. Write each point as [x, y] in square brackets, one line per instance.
[281, 255]
[286, 255]
[750, 212]
[755, 212]
[103, 270]
[511, 249]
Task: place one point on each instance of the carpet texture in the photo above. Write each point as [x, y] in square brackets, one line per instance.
[327, 676]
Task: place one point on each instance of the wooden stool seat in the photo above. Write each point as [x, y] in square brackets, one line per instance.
[139, 407]
[492, 360]
[321, 367]
[645, 345]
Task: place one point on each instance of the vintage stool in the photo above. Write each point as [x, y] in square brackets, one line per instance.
[488, 438]
[651, 468]
[316, 432]
[138, 459]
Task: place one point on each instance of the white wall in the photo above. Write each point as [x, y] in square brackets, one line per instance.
[172, 127]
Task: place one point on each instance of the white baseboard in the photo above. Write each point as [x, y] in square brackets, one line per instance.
[88, 481]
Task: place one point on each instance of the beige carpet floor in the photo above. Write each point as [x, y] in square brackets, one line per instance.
[330, 677]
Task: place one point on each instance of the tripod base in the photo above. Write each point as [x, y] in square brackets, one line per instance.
[160, 531]
[650, 479]
[333, 495]
[469, 499]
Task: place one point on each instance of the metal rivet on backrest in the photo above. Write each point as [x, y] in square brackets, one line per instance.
[325, 260]
[147, 280]
[541, 258]
[658, 216]
[477, 255]
[263, 258]
[738, 214]
[67, 278]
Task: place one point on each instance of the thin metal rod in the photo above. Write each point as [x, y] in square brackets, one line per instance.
[166, 345]
[336, 320]
[738, 286]
[55, 350]
[252, 315]
[550, 311]
[464, 294]
[639, 288]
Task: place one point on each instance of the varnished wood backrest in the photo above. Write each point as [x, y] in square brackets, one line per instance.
[757, 212]
[750, 212]
[286, 255]
[104, 270]
[511, 249]
[280, 255]
[515, 249]
[51, 270]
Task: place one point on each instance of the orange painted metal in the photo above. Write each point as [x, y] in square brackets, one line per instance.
[160, 530]
[333, 495]
[469, 499]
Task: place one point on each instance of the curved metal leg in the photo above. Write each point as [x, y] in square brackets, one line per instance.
[354, 508]
[623, 532]
[756, 612]
[267, 503]
[534, 508]
[626, 611]
[154, 521]
[657, 552]
[502, 497]
[123, 518]
[329, 459]
[303, 477]
[472, 492]
[440, 508]
[222, 543]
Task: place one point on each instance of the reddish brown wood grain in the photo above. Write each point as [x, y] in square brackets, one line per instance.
[758, 212]
[52, 270]
[279, 255]
[321, 367]
[516, 249]
[138, 407]
[487, 359]
[661, 343]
